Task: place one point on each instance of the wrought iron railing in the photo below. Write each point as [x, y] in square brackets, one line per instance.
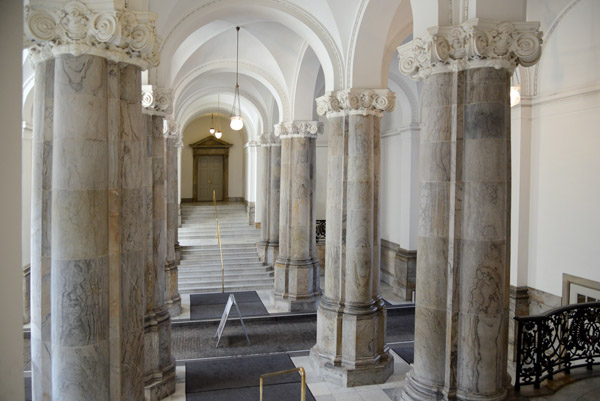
[557, 341]
[320, 230]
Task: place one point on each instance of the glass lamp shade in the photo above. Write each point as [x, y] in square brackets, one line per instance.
[211, 130]
[515, 96]
[218, 134]
[236, 123]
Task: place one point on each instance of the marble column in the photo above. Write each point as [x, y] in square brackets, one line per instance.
[351, 318]
[41, 346]
[462, 289]
[87, 224]
[268, 247]
[297, 285]
[159, 369]
[173, 298]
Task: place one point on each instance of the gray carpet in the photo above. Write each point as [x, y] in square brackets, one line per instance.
[212, 305]
[406, 352]
[192, 340]
[238, 378]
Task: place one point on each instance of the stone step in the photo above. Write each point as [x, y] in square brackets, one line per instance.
[217, 262]
[201, 276]
[241, 268]
[191, 285]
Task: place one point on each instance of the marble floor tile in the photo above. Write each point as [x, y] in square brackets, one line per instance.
[318, 389]
[374, 395]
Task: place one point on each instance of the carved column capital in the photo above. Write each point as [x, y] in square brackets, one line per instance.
[474, 44]
[297, 129]
[269, 139]
[356, 101]
[157, 101]
[119, 35]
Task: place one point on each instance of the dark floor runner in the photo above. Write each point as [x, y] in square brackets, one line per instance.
[406, 352]
[211, 306]
[272, 392]
[238, 378]
[28, 396]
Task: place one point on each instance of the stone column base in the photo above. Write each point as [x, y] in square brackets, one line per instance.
[288, 304]
[162, 387]
[367, 374]
[296, 287]
[174, 305]
[267, 252]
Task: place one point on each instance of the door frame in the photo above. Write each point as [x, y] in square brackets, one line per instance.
[211, 146]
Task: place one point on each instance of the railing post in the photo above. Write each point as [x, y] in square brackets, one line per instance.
[538, 354]
[519, 356]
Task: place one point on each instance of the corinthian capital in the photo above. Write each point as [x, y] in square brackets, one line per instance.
[356, 101]
[118, 35]
[474, 44]
[157, 101]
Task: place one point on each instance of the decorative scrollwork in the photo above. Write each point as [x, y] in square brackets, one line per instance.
[557, 341]
[321, 230]
[357, 101]
[475, 43]
[118, 35]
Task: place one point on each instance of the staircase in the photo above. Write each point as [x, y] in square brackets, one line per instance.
[200, 266]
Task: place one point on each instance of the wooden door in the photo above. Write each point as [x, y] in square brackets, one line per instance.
[210, 177]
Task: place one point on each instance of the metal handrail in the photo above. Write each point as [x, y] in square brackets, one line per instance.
[557, 341]
[284, 372]
[218, 235]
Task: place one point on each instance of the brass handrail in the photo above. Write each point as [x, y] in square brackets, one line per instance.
[284, 372]
[218, 235]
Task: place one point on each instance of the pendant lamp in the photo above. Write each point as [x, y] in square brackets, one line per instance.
[237, 123]
[218, 133]
[212, 124]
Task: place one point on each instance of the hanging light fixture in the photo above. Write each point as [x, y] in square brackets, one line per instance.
[212, 124]
[218, 133]
[237, 123]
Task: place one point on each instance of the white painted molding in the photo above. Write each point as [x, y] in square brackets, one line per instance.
[356, 101]
[27, 131]
[475, 43]
[408, 128]
[118, 35]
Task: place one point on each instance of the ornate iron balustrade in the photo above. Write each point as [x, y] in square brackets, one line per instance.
[320, 230]
[557, 341]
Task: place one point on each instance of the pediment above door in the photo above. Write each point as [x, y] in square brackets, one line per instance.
[210, 142]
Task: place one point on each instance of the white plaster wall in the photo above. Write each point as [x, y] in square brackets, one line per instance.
[11, 329]
[251, 171]
[564, 187]
[399, 189]
[197, 130]
[565, 191]
[399, 193]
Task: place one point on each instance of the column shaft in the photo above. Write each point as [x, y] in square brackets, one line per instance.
[463, 267]
[41, 369]
[269, 237]
[173, 298]
[80, 225]
[350, 347]
[297, 286]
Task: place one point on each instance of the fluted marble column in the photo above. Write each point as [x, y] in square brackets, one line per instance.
[88, 226]
[463, 268]
[350, 347]
[268, 247]
[296, 285]
[173, 298]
